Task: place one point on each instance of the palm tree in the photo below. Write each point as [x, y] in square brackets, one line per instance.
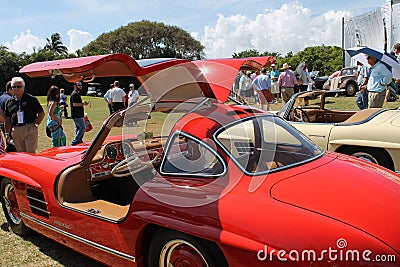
[55, 44]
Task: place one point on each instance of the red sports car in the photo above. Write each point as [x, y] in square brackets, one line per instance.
[216, 185]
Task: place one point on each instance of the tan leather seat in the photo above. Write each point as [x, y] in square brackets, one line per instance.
[362, 115]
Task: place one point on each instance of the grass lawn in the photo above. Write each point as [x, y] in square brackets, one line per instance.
[37, 250]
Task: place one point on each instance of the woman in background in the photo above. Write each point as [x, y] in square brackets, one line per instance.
[54, 121]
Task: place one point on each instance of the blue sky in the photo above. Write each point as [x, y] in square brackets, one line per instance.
[224, 27]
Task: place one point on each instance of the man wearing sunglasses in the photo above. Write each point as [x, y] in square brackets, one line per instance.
[23, 115]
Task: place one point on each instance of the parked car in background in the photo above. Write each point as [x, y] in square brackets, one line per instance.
[94, 89]
[369, 134]
[318, 80]
[345, 82]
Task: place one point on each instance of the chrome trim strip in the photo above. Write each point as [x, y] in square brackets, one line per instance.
[36, 208]
[317, 135]
[35, 199]
[80, 239]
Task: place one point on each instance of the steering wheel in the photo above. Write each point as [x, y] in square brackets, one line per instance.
[303, 116]
[133, 164]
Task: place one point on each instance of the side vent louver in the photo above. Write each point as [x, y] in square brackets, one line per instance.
[37, 203]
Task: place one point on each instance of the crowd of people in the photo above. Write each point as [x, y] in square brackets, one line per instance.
[271, 86]
[21, 114]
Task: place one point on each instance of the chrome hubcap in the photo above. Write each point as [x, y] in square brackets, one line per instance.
[11, 205]
[180, 253]
[366, 157]
[351, 89]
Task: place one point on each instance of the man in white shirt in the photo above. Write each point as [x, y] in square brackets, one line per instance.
[117, 97]
[133, 95]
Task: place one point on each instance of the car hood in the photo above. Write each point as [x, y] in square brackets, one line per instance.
[165, 79]
[364, 196]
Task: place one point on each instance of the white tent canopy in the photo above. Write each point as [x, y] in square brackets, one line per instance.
[371, 28]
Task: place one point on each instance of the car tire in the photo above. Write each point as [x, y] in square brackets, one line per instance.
[351, 89]
[11, 209]
[171, 248]
[369, 154]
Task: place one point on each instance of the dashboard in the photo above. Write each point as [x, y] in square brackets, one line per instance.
[112, 153]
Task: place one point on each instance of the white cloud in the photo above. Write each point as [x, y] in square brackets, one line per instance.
[25, 42]
[289, 28]
[78, 39]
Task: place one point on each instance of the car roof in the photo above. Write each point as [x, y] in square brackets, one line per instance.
[213, 116]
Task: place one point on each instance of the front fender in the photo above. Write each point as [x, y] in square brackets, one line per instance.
[17, 176]
[31, 169]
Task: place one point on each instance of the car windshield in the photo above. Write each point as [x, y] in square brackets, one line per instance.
[266, 143]
[349, 71]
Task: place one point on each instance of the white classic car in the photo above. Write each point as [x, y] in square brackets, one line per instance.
[371, 134]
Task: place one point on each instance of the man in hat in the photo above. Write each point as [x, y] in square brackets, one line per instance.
[286, 82]
[274, 75]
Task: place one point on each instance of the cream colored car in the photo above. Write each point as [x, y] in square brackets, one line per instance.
[370, 134]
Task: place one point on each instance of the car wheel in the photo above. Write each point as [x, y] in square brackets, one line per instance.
[371, 155]
[11, 209]
[351, 89]
[170, 248]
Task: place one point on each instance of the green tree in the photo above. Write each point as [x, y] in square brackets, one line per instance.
[147, 39]
[247, 53]
[10, 63]
[56, 45]
[325, 59]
